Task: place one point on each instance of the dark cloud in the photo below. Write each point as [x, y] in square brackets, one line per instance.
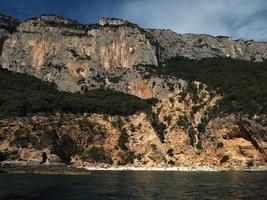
[246, 19]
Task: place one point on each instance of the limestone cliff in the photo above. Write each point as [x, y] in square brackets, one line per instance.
[97, 140]
[62, 50]
[7, 27]
[117, 55]
[197, 46]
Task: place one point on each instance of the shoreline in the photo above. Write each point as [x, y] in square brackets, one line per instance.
[29, 168]
[60, 168]
[177, 169]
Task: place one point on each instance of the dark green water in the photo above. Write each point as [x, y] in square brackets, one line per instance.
[135, 185]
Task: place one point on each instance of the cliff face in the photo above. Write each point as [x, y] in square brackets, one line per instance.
[175, 133]
[114, 140]
[61, 50]
[112, 55]
[7, 26]
[197, 46]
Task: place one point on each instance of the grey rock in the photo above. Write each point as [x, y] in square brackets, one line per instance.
[82, 57]
[197, 46]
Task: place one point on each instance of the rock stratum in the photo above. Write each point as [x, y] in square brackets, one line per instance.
[115, 54]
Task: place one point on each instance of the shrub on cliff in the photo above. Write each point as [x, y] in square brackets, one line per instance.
[23, 138]
[224, 159]
[97, 154]
[123, 140]
[3, 156]
[159, 127]
[250, 163]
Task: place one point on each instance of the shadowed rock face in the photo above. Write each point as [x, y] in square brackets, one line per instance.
[8, 23]
[7, 26]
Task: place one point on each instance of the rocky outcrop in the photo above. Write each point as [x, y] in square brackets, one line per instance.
[62, 50]
[197, 46]
[129, 141]
[114, 22]
[7, 26]
[8, 23]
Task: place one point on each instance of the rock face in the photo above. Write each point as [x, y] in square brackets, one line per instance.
[111, 55]
[197, 46]
[7, 26]
[122, 141]
[62, 50]
[8, 23]
[113, 22]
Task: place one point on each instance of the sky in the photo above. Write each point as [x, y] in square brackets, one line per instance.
[241, 19]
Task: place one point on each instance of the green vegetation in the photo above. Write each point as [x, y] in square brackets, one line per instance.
[171, 162]
[220, 145]
[22, 95]
[183, 122]
[250, 163]
[23, 138]
[201, 127]
[97, 154]
[116, 79]
[159, 127]
[69, 25]
[224, 159]
[66, 148]
[49, 138]
[117, 123]
[92, 128]
[192, 136]
[130, 157]
[170, 152]
[123, 140]
[243, 84]
[167, 118]
[199, 145]
[3, 156]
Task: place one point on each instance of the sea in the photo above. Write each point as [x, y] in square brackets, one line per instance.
[127, 185]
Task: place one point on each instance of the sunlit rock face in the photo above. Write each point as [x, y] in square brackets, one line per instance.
[63, 51]
[225, 136]
[197, 46]
[111, 22]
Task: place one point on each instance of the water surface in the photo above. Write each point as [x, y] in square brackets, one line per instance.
[135, 185]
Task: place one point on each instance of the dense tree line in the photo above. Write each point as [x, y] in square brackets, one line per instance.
[243, 84]
[21, 95]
